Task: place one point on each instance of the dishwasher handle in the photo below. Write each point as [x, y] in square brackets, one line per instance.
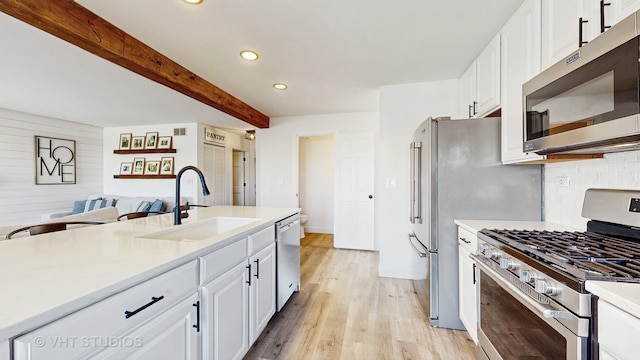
[288, 226]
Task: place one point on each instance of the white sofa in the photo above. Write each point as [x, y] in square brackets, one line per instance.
[124, 205]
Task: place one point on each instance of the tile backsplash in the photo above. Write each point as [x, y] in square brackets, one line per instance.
[566, 182]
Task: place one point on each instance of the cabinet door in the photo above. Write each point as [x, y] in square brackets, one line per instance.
[560, 22]
[618, 10]
[488, 79]
[468, 302]
[171, 335]
[225, 332]
[467, 92]
[520, 46]
[262, 294]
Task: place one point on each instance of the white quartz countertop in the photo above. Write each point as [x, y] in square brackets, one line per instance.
[45, 277]
[477, 225]
[625, 296]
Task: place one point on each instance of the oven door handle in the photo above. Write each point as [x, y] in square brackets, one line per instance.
[540, 310]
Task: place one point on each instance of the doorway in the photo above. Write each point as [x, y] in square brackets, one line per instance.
[239, 178]
[214, 173]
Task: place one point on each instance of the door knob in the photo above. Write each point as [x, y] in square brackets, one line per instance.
[370, 196]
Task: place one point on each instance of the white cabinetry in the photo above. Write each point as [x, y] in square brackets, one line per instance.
[561, 24]
[520, 46]
[262, 295]
[238, 294]
[467, 288]
[479, 86]
[615, 327]
[121, 322]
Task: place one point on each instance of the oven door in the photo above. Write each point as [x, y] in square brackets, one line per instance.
[512, 325]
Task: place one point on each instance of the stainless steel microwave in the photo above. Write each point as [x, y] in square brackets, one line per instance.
[588, 102]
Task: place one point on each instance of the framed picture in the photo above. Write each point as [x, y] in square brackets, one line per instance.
[138, 166]
[137, 143]
[125, 142]
[126, 168]
[55, 161]
[151, 140]
[166, 165]
[165, 142]
[152, 168]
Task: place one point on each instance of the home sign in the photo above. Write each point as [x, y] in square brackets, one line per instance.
[55, 161]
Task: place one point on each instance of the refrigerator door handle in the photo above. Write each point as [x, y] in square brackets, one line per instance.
[416, 178]
[420, 253]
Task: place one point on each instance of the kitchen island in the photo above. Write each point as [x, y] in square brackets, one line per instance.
[47, 277]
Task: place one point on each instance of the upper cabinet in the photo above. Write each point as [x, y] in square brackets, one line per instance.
[520, 46]
[568, 24]
[479, 86]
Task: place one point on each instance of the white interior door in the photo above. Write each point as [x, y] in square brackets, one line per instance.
[239, 181]
[353, 191]
[214, 174]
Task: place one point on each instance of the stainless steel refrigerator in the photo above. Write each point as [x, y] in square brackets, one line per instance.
[456, 173]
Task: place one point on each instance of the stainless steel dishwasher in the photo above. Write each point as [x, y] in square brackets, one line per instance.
[288, 258]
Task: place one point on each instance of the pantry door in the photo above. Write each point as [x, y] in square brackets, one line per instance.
[353, 191]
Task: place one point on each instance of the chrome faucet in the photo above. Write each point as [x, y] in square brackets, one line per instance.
[177, 219]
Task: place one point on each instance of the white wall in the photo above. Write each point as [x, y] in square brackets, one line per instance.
[277, 151]
[316, 182]
[21, 201]
[402, 109]
[564, 204]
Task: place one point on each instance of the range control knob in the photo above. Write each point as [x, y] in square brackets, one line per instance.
[528, 276]
[490, 253]
[509, 264]
[544, 287]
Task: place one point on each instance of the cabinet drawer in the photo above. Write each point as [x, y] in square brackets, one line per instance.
[261, 239]
[103, 324]
[218, 262]
[614, 327]
[468, 240]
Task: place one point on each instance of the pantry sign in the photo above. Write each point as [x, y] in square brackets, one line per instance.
[55, 161]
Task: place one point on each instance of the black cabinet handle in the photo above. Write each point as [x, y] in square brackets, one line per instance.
[197, 325]
[475, 111]
[470, 107]
[474, 273]
[465, 240]
[603, 27]
[370, 196]
[580, 35]
[249, 281]
[128, 314]
[257, 275]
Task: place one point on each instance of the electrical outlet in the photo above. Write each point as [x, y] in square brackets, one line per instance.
[563, 181]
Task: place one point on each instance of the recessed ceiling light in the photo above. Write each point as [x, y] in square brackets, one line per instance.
[249, 55]
[194, 2]
[280, 86]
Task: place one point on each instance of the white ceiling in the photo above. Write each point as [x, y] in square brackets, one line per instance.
[333, 55]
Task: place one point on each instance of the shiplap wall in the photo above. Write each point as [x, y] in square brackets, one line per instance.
[21, 200]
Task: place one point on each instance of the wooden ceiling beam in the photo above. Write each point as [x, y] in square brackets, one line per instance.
[77, 25]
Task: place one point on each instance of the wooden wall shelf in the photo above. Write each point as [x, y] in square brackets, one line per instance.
[144, 176]
[145, 151]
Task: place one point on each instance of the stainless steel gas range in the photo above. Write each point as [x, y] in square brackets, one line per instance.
[533, 301]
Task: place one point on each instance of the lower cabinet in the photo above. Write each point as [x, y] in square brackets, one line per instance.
[225, 303]
[172, 335]
[467, 287]
[238, 304]
[615, 327]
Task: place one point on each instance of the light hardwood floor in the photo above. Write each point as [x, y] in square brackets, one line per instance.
[345, 311]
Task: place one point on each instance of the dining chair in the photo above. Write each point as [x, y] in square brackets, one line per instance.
[138, 214]
[49, 227]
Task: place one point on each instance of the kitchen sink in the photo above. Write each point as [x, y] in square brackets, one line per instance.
[200, 230]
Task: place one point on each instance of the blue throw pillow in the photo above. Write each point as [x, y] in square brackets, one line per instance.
[78, 206]
[143, 206]
[156, 205]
